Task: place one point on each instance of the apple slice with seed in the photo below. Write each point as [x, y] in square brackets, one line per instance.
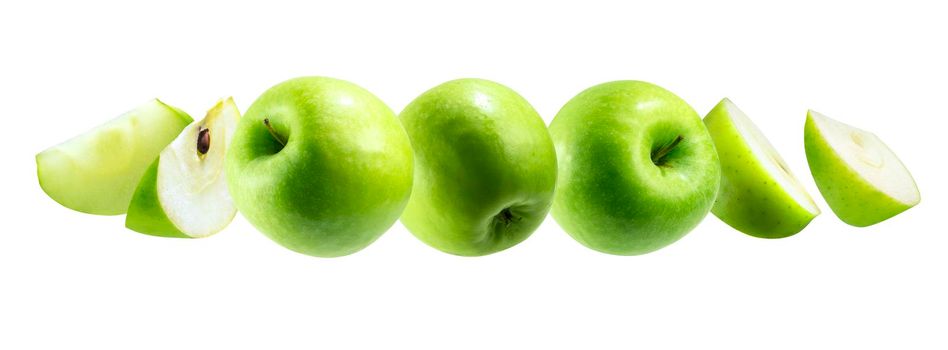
[759, 195]
[96, 172]
[184, 192]
[862, 180]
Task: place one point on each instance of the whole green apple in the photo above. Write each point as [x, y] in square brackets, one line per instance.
[485, 167]
[861, 179]
[184, 192]
[759, 195]
[97, 172]
[320, 165]
[637, 168]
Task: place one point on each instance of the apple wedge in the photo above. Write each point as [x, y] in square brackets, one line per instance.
[759, 195]
[862, 180]
[184, 192]
[96, 172]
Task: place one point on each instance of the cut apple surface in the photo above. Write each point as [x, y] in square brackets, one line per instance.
[97, 172]
[759, 195]
[184, 193]
[862, 180]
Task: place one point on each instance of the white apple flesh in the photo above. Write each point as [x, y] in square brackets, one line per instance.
[185, 193]
[862, 180]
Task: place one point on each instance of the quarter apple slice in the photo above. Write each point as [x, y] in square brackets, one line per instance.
[184, 192]
[96, 172]
[862, 180]
[759, 195]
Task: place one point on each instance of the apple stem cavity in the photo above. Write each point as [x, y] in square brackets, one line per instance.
[658, 155]
[203, 141]
[506, 217]
[276, 136]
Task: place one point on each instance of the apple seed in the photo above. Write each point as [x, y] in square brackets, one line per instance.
[203, 141]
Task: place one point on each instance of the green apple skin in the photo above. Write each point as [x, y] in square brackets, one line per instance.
[145, 214]
[612, 196]
[853, 199]
[97, 172]
[485, 167]
[751, 200]
[343, 177]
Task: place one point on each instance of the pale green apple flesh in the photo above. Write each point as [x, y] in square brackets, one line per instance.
[320, 165]
[759, 195]
[97, 172]
[860, 178]
[637, 168]
[184, 192]
[485, 167]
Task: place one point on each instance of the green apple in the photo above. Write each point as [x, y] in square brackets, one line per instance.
[759, 195]
[485, 167]
[859, 176]
[637, 168]
[184, 192]
[97, 172]
[320, 165]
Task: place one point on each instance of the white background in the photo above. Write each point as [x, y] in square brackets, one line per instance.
[69, 280]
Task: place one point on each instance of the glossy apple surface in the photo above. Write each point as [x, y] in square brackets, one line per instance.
[320, 165]
[485, 167]
[637, 168]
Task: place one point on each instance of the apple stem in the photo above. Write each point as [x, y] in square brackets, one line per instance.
[266, 121]
[659, 154]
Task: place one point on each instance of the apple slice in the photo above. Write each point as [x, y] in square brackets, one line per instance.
[96, 172]
[184, 192]
[859, 176]
[759, 195]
